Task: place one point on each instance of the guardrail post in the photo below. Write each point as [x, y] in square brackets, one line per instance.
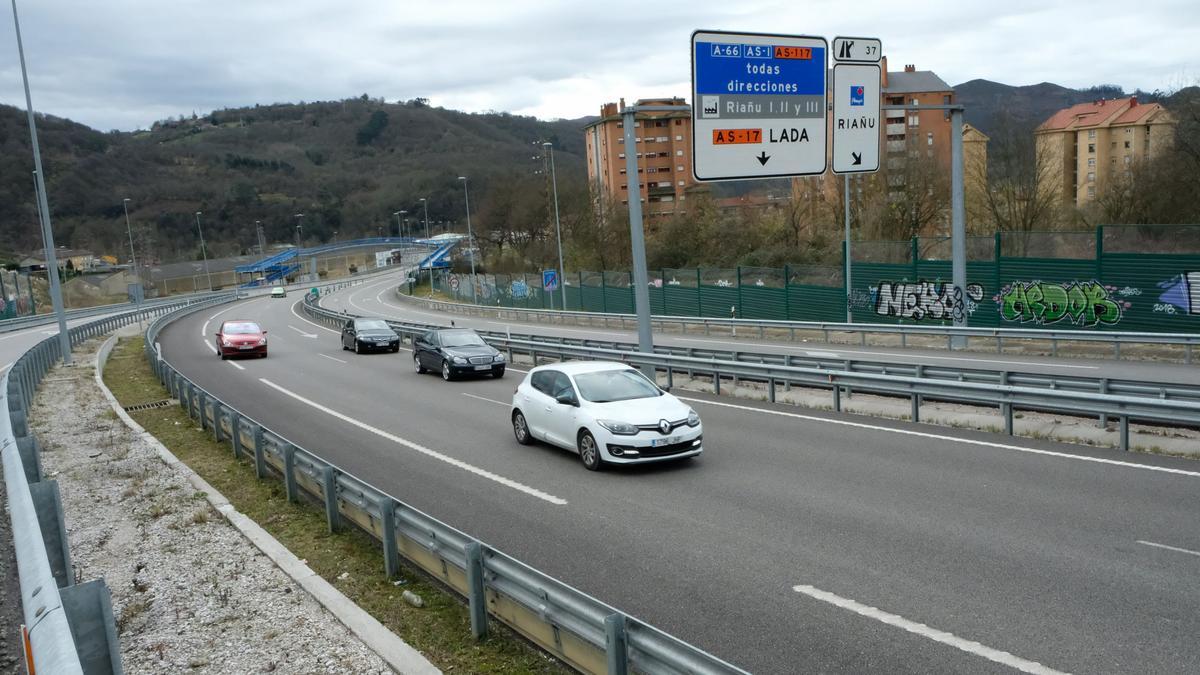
[203, 398]
[1006, 410]
[670, 377]
[916, 398]
[1117, 349]
[31, 458]
[475, 590]
[47, 503]
[289, 473]
[329, 488]
[615, 651]
[1103, 390]
[216, 421]
[387, 518]
[88, 608]
[235, 433]
[734, 357]
[837, 397]
[1124, 433]
[771, 390]
[260, 459]
[716, 382]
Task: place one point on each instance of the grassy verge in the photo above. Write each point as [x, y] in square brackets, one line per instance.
[441, 630]
[421, 290]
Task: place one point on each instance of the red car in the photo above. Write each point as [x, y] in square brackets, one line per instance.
[241, 338]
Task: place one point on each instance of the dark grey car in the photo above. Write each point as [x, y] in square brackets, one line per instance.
[364, 334]
[454, 352]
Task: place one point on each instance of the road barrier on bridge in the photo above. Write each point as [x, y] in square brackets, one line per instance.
[70, 625]
[1010, 392]
[1184, 342]
[582, 631]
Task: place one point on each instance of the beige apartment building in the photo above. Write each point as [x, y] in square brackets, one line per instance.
[663, 149]
[1088, 146]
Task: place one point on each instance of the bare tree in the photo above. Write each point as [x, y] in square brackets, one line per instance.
[1016, 187]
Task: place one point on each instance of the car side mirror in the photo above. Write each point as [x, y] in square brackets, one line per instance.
[565, 399]
[264, 332]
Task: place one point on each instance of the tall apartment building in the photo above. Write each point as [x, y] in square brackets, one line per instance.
[1088, 146]
[904, 135]
[663, 150]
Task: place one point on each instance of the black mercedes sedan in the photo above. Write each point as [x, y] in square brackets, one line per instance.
[364, 334]
[456, 351]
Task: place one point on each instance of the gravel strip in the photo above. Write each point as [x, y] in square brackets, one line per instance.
[189, 592]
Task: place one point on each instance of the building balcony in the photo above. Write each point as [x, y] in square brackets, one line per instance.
[895, 129]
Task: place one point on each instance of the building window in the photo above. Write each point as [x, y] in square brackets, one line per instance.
[637, 124]
[1128, 130]
[620, 139]
[620, 124]
[622, 172]
[621, 156]
[1091, 147]
[1091, 161]
[1091, 192]
[679, 153]
[1091, 177]
[679, 138]
[681, 183]
[1128, 159]
[679, 168]
[1091, 134]
[679, 122]
[929, 137]
[914, 121]
[914, 102]
[1126, 145]
[624, 186]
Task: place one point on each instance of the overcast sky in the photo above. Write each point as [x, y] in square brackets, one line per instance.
[123, 64]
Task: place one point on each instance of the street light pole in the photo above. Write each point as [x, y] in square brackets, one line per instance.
[64, 338]
[258, 229]
[562, 273]
[299, 231]
[425, 205]
[399, 232]
[204, 252]
[470, 239]
[137, 293]
[405, 226]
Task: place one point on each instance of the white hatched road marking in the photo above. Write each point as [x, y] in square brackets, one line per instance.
[1169, 548]
[484, 473]
[969, 646]
[967, 441]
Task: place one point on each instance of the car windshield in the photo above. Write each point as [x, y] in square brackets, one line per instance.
[461, 338]
[241, 328]
[615, 385]
[371, 324]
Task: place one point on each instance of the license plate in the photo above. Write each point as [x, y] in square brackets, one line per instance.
[483, 367]
[245, 346]
[659, 442]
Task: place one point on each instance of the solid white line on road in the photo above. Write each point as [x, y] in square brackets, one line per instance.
[967, 441]
[969, 646]
[891, 354]
[331, 358]
[484, 473]
[1169, 548]
[297, 315]
[489, 400]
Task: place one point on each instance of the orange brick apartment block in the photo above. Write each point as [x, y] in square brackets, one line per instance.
[1089, 145]
[663, 151]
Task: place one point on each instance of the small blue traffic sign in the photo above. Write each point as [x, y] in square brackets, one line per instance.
[550, 280]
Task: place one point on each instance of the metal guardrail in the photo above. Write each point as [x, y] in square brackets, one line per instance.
[582, 631]
[70, 625]
[1187, 341]
[1006, 394]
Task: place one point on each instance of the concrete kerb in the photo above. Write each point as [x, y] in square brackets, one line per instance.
[395, 652]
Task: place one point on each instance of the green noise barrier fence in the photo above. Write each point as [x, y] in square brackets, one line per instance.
[1126, 278]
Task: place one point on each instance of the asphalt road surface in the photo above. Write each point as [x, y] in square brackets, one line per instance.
[801, 541]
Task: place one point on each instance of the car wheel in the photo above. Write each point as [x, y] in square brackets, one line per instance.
[589, 452]
[446, 374]
[396, 349]
[417, 365]
[357, 347]
[498, 373]
[521, 429]
[221, 354]
[344, 347]
[264, 354]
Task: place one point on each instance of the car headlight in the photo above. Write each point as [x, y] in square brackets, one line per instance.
[262, 341]
[618, 428]
[499, 358]
[226, 343]
[693, 418]
[460, 360]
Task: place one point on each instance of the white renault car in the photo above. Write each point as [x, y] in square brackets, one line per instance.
[607, 412]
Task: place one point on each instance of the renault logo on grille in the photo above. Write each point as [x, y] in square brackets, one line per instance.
[664, 426]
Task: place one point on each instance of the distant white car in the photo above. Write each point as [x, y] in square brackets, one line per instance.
[279, 292]
[607, 412]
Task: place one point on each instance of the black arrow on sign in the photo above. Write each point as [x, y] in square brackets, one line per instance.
[762, 159]
[857, 158]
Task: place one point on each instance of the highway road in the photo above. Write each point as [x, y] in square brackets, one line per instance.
[379, 299]
[801, 541]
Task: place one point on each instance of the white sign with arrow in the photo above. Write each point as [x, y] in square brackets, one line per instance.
[856, 105]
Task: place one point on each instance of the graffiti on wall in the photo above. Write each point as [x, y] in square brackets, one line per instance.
[519, 288]
[926, 300]
[1180, 294]
[1084, 303]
